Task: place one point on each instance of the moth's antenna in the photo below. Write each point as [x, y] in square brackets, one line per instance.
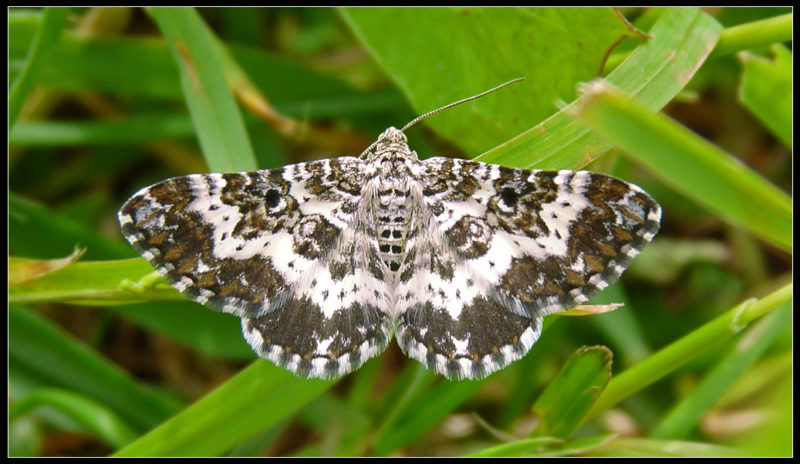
[474, 97]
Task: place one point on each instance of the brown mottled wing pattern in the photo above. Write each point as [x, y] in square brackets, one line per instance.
[500, 248]
[278, 248]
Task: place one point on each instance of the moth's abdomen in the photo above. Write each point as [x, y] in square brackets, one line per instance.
[393, 216]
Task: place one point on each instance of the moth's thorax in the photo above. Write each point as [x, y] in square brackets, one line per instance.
[393, 165]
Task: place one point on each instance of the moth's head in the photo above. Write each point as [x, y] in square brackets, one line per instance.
[391, 142]
[392, 135]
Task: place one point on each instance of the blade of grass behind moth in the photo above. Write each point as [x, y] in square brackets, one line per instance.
[564, 404]
[45, 350]
[765, 89]
[98, 419]
[43, 44]
[682, 350]
[258, 397]
[684, 415]
[688, 163]
[35, 231]
[425, 414]
[218, 122]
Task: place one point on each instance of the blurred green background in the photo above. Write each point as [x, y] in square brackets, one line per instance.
[695, 109]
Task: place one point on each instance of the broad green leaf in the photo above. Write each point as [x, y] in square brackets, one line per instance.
[654, 73]
[564, 404]
[690, 164]
[40, 347]
[216, 117]
[553, 48]
[766, 90]
[258, 397]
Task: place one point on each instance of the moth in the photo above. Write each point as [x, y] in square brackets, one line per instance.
[326, 261]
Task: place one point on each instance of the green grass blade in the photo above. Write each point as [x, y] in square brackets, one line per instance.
[515, 448]
[117, 284]
[565, 402]
[132, 130]
[578, 447]
[754, 34]
[257, 398]
[620, 327]
[343, 429]
[53, 20]
[42, 348]
[766, 90]
[95, 417]
[82, 64]
[96, 283]
[412, 384]
[690, 164]
[435, 406]
[759, 378]
[679, 352]
[219, 124]
[645, 447]
[683, 416]
[654, 73]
